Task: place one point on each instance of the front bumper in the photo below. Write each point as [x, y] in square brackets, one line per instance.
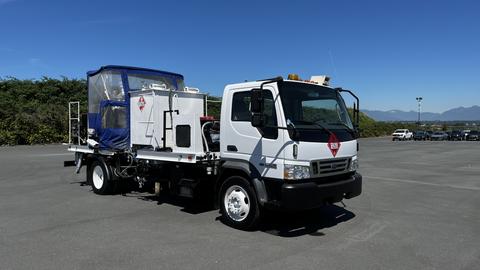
[312, 194]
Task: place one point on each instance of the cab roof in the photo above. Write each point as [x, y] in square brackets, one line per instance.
[257, 83]
[132, 69]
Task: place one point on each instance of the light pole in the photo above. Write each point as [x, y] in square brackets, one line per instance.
[419, 101]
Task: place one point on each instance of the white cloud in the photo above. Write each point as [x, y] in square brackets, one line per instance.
[5, 49]
[37, 63]
[33, 61]
[104, 21]
[3, 2]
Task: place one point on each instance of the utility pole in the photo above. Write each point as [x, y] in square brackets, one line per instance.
[419, 101]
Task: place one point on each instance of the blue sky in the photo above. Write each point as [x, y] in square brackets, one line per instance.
[389, 52]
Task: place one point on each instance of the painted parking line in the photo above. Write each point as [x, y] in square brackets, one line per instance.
[409, 181]
[52, 155]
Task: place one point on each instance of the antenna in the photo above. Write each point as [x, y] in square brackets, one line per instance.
[335, 73]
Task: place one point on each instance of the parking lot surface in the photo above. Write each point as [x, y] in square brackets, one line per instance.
[419, 210]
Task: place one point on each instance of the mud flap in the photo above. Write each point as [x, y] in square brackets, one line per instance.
[78, 162]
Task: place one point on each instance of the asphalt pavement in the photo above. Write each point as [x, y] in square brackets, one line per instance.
[419, 210]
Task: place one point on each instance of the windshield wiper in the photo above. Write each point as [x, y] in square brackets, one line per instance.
[324, 128]
[351, 130]
[316, 124]
[341, 124]
[292, 127]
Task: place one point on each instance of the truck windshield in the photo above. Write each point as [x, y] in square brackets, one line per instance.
[312, 108]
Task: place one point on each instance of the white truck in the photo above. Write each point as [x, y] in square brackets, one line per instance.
[402, 135]
[279, 144]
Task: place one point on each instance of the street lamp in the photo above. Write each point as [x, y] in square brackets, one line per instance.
[419, 101]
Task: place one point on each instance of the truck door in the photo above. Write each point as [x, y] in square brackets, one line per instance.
[108, 109]
[114, 133]
[262, 148]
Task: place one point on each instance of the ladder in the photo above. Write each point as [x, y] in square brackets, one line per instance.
[74, 122]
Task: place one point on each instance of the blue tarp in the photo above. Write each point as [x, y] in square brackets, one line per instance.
[119, 138]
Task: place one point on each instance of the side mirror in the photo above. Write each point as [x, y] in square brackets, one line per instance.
[294, 134]
[256, 101]
[256, 107]
[258, 120]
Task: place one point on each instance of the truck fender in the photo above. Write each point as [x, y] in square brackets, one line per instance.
[254, 176]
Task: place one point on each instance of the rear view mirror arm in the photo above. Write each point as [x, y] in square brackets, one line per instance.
[276, 79]
[356, 106]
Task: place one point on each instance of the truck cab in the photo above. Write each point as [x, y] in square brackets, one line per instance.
[293, 139]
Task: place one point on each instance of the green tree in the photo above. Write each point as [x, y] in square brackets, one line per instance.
[36, 111]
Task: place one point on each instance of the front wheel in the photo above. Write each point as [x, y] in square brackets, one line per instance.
[238, 203]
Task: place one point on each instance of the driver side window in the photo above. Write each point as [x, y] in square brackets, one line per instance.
[241, 112]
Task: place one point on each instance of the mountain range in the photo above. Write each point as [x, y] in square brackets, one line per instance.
[456, 114]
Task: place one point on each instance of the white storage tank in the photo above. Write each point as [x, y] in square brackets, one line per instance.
[174, 116]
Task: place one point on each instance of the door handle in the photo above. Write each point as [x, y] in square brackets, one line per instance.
[232, 148]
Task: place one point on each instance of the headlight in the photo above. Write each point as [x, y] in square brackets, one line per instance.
[295, 172]
[354, 165]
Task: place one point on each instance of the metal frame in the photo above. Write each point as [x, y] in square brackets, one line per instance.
[167, 156]
[72, 118]
[207, 101]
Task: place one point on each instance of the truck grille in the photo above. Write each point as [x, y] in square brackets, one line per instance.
[321, 168]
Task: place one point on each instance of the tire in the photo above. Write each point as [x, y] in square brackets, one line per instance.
[238, 204]
[101, 178]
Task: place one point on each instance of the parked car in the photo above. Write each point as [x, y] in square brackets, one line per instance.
[474, 135]
[402, 135]
[420, 135]
[429, 134]
[456, 135]
[465, 133]
[439, 136]
[449, 134]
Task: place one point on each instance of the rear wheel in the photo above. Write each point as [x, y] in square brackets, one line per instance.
[100, 177]
[238, 203]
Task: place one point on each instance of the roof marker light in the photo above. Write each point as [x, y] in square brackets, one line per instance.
[294, 77]
[322, 80]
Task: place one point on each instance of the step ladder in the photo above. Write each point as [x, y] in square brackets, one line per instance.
[74, 123]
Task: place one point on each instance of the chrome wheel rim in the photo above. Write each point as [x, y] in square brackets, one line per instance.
[98, 177]
[237, 203]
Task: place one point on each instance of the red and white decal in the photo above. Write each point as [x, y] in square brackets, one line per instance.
[333, 144]
[141, 103]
